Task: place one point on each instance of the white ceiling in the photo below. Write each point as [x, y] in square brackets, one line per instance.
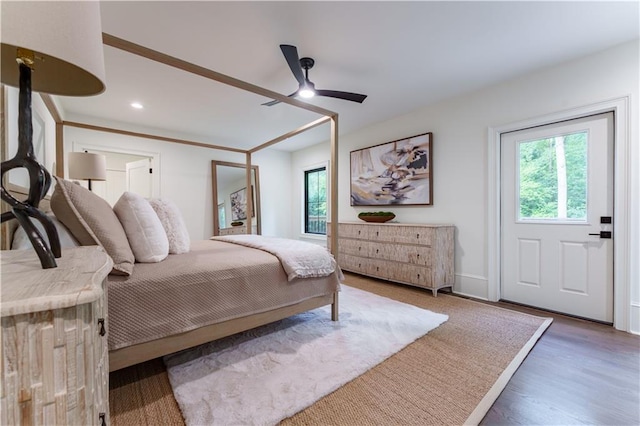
[403, 55]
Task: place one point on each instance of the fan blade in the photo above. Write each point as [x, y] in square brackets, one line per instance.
[274, 102]
[347, 96]
[271, 103]
[291, 55]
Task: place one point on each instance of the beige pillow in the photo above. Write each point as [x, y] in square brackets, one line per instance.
[174, 226]
[144, 230]
[92, 221]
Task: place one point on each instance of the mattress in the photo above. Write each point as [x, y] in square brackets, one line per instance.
[216, 281]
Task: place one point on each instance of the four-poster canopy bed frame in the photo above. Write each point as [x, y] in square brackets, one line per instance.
[126, 356]
[328, 116]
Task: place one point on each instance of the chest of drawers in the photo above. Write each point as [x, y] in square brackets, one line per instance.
[416, 254]
[54, 344]
[237, 230]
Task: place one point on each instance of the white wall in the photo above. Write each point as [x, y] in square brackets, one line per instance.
[460, 130]
[20, 176]
[275, 192]
[185, 177]
[314, 156]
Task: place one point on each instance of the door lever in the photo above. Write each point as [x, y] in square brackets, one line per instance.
[603, 234]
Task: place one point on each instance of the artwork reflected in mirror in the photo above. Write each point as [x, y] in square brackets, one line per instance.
[230, 198]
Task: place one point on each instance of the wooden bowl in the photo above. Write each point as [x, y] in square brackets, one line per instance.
[377, 219]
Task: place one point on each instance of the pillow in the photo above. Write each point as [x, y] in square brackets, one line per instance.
[173, 224]
[143, 228]
[92, 221]
[21, 240]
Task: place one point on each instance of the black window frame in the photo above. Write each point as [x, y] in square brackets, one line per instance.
[307, 173]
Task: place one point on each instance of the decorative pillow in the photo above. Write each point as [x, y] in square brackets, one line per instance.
[173, 224]
[143, 228]
[21, 240]
[92, 221]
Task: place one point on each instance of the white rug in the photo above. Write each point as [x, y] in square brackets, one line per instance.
[270, 373]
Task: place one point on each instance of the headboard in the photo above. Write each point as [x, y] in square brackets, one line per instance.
[10, 226]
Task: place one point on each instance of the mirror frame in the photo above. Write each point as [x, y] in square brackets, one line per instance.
[214, 184]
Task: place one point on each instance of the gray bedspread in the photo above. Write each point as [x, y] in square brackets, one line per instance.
[214, 282]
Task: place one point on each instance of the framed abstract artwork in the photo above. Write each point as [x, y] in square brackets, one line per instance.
[393, 173]
[239, 204]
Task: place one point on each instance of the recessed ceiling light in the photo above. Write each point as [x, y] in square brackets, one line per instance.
[136, 105]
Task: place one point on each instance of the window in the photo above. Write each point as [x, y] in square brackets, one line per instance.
[315, 201]
[553, 178]
[222, 219]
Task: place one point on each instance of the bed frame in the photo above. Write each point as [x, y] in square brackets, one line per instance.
[327, 116]
[124, 357]
[121, 358]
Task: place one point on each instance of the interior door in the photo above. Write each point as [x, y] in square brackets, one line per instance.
[138, 175]
[556, 211]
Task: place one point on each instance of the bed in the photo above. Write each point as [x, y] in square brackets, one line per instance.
[143, 328]
[216, 289]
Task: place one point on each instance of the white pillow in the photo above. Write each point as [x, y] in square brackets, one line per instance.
[174, 226]
[21, 240]
[144, 231]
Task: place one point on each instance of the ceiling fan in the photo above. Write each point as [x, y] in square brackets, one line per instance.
[307, 89]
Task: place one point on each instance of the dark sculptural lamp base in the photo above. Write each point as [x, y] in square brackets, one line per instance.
[39, 181]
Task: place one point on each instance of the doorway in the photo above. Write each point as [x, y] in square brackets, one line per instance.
[127, 170]
[556, 212]
[120, 176]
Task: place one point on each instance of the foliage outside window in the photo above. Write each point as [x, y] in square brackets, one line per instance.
[222, 219]
[315, 201]
[553, 178]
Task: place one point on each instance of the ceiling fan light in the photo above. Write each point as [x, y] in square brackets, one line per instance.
[307, 93]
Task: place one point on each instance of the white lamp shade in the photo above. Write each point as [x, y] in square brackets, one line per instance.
[66, 37]
[86, 165]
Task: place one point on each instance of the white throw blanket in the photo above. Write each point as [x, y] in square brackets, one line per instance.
[298, 258]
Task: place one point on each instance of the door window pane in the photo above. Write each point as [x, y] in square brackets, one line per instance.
[553, 178]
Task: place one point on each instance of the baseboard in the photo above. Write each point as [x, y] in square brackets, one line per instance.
[474, 286]
[634, 326]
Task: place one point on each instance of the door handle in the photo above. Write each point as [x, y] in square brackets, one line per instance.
[603, 234]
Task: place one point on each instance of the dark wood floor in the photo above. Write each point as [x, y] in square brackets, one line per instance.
[579, 372]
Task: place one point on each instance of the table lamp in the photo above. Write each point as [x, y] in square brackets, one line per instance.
[87, 166]
[51, 47]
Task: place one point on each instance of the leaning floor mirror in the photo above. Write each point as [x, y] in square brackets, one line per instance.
[230, 194]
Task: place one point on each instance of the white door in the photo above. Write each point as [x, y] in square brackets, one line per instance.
[556, 198]
[138, 175]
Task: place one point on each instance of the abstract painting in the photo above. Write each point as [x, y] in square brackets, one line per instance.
[239, 204]
[393, 173]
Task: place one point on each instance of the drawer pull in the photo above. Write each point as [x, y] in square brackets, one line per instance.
[359, 248]
[377, 250]
[102, 330]
[377, 268]
[377, 233]
[102, 417]
[418, 255]
[358, 232]
[359, 265]
[418, 276]
[417, 235]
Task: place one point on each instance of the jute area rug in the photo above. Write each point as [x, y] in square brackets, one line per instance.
[450, 376]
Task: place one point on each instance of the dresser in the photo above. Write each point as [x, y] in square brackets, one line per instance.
[416, 254]
[237, 230]
[54, 343]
